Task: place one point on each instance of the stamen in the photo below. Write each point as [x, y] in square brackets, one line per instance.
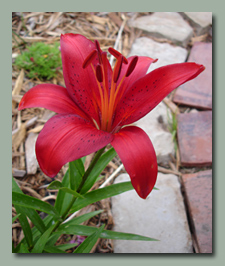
[117, 54]
[99, 73]
[89, 58]
[117, 69]
[105, 69]
[131, 66]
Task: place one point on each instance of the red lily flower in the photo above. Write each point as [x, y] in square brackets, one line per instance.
[96, 105]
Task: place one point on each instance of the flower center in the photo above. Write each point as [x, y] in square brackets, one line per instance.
[110, 92]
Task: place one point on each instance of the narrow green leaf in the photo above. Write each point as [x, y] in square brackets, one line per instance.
[25, 226]
[52, 250]
[63, 199]
[23, 249]
[101, 193]
[84, 230]
[67, 246]
[15, 217]
[98, 168]
[76, 171]
[33, 203]
[55, 185]
[80, 219]
[70, 191]
[52, 240]
[30, 213]
[83, 159]
[89, 242]
[40, 244]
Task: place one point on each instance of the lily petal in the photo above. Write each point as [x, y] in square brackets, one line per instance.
[52, 97]
[81, 83]
[139, 71]
[138, 156]
[151, 89]
[66, 138]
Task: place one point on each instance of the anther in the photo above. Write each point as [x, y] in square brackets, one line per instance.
[131, 66]
[89, 58]
[99, 73]
[117, 54]
[117, 68]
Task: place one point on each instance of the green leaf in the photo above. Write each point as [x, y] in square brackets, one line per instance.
[76, 171]
[33, 203]
[49, 249]
[32, 214]
[80, 219]
[70, 191]
[23, 249]
[25, 226]
[15, 217]
[67, 246]
[101, 193]
[89, 242]
[88, 230]
[40, 244]
[55, 185]
[63, 199]
[98, 168]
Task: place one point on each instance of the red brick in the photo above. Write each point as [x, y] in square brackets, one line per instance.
[198, 192]
[198, 92]
[194, 134]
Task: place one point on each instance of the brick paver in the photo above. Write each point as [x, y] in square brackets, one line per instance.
[194, 133]
[198, 191]
[198, 92]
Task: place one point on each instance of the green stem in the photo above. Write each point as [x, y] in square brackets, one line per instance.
[85, 176]
[91, 166]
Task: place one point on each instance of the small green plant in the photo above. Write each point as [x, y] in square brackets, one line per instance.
[172, 126]
[40, 61]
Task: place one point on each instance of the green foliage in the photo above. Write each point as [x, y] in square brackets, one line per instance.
[40, 61]
[172, 120]
[43, 236]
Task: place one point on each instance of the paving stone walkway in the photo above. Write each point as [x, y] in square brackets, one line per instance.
[179, 214]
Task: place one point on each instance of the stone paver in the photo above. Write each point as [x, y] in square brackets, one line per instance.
[164, 52]
[194, 133]
[162, 216]
[169, 25]
[201, 21]
[198, 92]
[155, 124]
[198, 190]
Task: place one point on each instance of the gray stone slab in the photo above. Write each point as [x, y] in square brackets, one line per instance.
[155, 124]
[169, 25]
[164, 52]
[201, 21]
[162, 216]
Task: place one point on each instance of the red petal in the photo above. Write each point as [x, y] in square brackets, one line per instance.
[150, 90]
[80, 83]
[140, 70]
[66, 138]
[52, 97]
[138, 156]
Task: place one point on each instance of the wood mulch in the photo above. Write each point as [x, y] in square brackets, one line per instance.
[111, 30]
